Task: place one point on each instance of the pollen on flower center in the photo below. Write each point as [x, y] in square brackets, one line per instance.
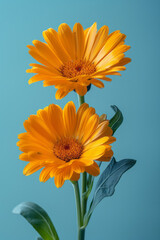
[67, 149]
[75, 68]
[78, 68]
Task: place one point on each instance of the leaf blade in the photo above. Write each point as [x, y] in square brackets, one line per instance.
[116, 120]
[38, 218]
[108, 180]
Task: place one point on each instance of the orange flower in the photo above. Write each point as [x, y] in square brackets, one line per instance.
[72, 60]
[65, 143]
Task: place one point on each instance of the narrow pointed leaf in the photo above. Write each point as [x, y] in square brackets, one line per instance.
[90, 186]
[116, 120]
[38, 218]
[108, 180]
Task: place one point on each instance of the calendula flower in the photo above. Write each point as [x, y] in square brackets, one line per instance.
[65, 143]
[72, 60]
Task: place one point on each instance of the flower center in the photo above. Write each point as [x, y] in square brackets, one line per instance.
[75, 68]
[67, 149]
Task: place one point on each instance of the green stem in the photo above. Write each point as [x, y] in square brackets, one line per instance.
[78, 204]
[84, 183]
[81, 234]
[84, 175]
[81, 100]
[83, 199]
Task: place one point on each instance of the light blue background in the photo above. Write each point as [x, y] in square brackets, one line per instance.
[134, 210]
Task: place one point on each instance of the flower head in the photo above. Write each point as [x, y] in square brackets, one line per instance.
[65, 143]
[72, 60]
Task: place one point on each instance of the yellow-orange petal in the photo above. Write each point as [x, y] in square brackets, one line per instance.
[107, 156]
[83, 120]
[113, 40]
[45, 174]
[99, 42]
[96, 143]
[95, 153]
[75, 176]
[113, 57]
[59, 180]
[90, 38]
[79, 40]
[37, 128]
[61, 93]
[69, 117]
[81, 90]
[90, 127]
[102, 131]
[66, 37]
[102, 118]
[97, 83]
[40, 58]
[51, 37]
[31, 168]
[93, 170]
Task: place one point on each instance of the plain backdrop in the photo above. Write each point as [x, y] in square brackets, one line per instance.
[133, 212]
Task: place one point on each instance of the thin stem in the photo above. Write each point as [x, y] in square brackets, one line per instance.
[81, 205]
[78, 203]
[81, 234]
[81, 100]
[83, 199]
[84, 175]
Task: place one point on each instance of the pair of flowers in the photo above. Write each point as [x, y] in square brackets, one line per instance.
[64, 142]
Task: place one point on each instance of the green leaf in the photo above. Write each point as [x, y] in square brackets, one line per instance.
[39, 238]
[38, 218]
[107, 181]
[116, 120]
